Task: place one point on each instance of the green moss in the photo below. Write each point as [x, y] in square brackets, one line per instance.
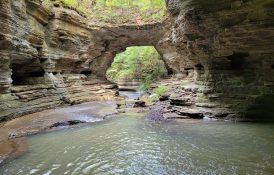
[161, 90]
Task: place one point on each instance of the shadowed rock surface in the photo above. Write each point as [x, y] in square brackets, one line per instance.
[66, 123]
[49, 58]
[220, 52]
[222, 55]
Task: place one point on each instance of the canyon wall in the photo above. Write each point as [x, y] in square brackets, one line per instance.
[224, 53]
[220, 52]
[51, 57]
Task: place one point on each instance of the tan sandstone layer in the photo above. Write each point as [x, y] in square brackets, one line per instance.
[224, 48]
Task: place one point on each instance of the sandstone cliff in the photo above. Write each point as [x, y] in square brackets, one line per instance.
[52, 57]
[222, 53]
[225, 52]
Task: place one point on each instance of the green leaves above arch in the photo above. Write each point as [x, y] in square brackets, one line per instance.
[117, 11]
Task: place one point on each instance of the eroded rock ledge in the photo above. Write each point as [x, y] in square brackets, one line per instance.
[50, 58]
[225, 56]
[224, 48]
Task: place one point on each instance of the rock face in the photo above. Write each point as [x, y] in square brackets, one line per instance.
[52, 57]
[223, 48]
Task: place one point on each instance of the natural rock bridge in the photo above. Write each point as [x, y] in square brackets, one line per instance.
[53, 57]
[57, 55]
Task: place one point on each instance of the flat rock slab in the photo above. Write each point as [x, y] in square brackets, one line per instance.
[10, 131]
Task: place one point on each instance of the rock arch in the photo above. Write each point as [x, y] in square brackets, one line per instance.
[201, 40]
[54, 57]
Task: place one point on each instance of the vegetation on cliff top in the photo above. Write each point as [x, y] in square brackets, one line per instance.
[137, 63]
[116, 11]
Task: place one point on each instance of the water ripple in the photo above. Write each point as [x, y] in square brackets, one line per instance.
[129, 145]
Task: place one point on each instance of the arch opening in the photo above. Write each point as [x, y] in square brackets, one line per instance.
[137, 68]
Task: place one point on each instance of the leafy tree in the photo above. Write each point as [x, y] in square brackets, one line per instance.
[137, 63]
[117, 11]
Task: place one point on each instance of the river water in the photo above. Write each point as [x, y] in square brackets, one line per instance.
[130, 94]
[129, 144]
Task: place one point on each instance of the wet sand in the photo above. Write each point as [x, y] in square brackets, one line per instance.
[13, 148]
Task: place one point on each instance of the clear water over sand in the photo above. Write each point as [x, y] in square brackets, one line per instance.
[128, 144]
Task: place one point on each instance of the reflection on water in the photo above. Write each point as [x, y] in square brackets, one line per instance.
[131, 145]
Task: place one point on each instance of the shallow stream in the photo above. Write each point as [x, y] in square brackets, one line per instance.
[130, 94]
[128, 144]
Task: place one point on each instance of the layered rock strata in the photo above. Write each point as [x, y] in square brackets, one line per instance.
[223, 50]
[223, 54]
[51, 57]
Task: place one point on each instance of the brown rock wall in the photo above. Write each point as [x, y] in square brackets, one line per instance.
[222, 48]
[227, 47]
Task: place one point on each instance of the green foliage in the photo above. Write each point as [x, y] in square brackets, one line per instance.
[117, 11]
[137, 63]
[162, 89]
[70, 3]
